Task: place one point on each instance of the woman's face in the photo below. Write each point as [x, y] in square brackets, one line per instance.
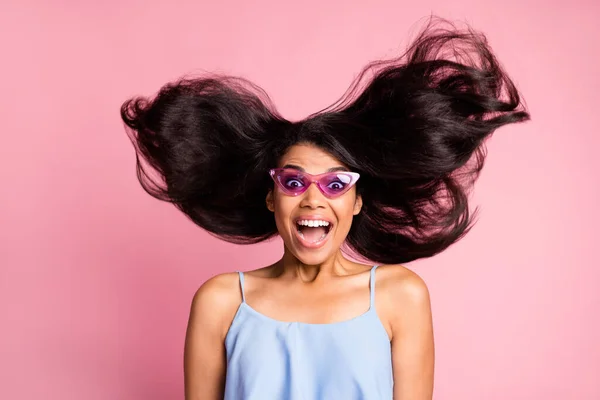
[308, 243]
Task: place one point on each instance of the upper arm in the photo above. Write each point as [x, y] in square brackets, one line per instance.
[212, 311]
[412, 339]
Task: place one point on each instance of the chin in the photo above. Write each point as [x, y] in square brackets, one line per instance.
[312, 256]
[312, 259]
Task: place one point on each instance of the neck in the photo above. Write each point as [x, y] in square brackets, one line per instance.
[336, 265]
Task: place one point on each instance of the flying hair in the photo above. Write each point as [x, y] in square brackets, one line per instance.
[414, 127]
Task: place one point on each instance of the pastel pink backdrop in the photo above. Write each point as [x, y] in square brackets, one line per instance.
[96, 276]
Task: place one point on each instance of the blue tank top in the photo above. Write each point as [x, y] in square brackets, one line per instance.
[268, 359]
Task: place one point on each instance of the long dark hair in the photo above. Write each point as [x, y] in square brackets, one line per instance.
[414, 128]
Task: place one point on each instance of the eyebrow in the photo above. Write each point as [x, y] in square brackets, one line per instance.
[296, 167]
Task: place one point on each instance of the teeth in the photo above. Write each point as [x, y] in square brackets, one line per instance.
[312, 223]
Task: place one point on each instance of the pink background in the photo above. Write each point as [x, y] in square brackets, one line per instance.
[96, 276]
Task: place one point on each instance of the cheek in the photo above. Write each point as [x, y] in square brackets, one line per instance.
[283, 206]
[344, 211]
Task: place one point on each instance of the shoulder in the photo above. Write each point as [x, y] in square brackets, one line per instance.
[402, 297]
[399, 282]
[216, 301]
[218, 292]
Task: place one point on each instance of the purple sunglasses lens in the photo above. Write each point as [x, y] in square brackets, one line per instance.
[335, 183]
[292, 182]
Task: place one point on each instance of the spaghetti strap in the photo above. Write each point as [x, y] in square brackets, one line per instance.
[241, 274]
[372, 284]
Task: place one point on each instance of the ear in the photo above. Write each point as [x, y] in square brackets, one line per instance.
[269, 201]
[357, 204]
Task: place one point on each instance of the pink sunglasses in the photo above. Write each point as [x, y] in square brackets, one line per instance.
[332, 184]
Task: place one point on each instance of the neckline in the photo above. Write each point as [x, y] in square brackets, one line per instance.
[312, 324]
[365, 314]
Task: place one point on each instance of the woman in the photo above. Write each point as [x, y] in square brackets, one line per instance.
[385, 173]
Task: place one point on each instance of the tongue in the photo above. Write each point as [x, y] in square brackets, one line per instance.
[312, 234]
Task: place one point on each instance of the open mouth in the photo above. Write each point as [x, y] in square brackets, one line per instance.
[313, 232]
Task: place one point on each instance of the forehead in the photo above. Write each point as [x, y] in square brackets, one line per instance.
[311, 158]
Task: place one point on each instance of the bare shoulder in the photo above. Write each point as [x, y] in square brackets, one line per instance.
[213, 308]
[399, 282]
[218, 292]
[402, 297]
[216, 301]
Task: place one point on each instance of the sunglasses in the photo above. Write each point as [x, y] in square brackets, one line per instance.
[332, 184]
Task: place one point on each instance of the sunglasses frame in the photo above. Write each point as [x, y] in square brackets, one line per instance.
[354, 176]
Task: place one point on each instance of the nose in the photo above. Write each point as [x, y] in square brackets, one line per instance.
[312, 197]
